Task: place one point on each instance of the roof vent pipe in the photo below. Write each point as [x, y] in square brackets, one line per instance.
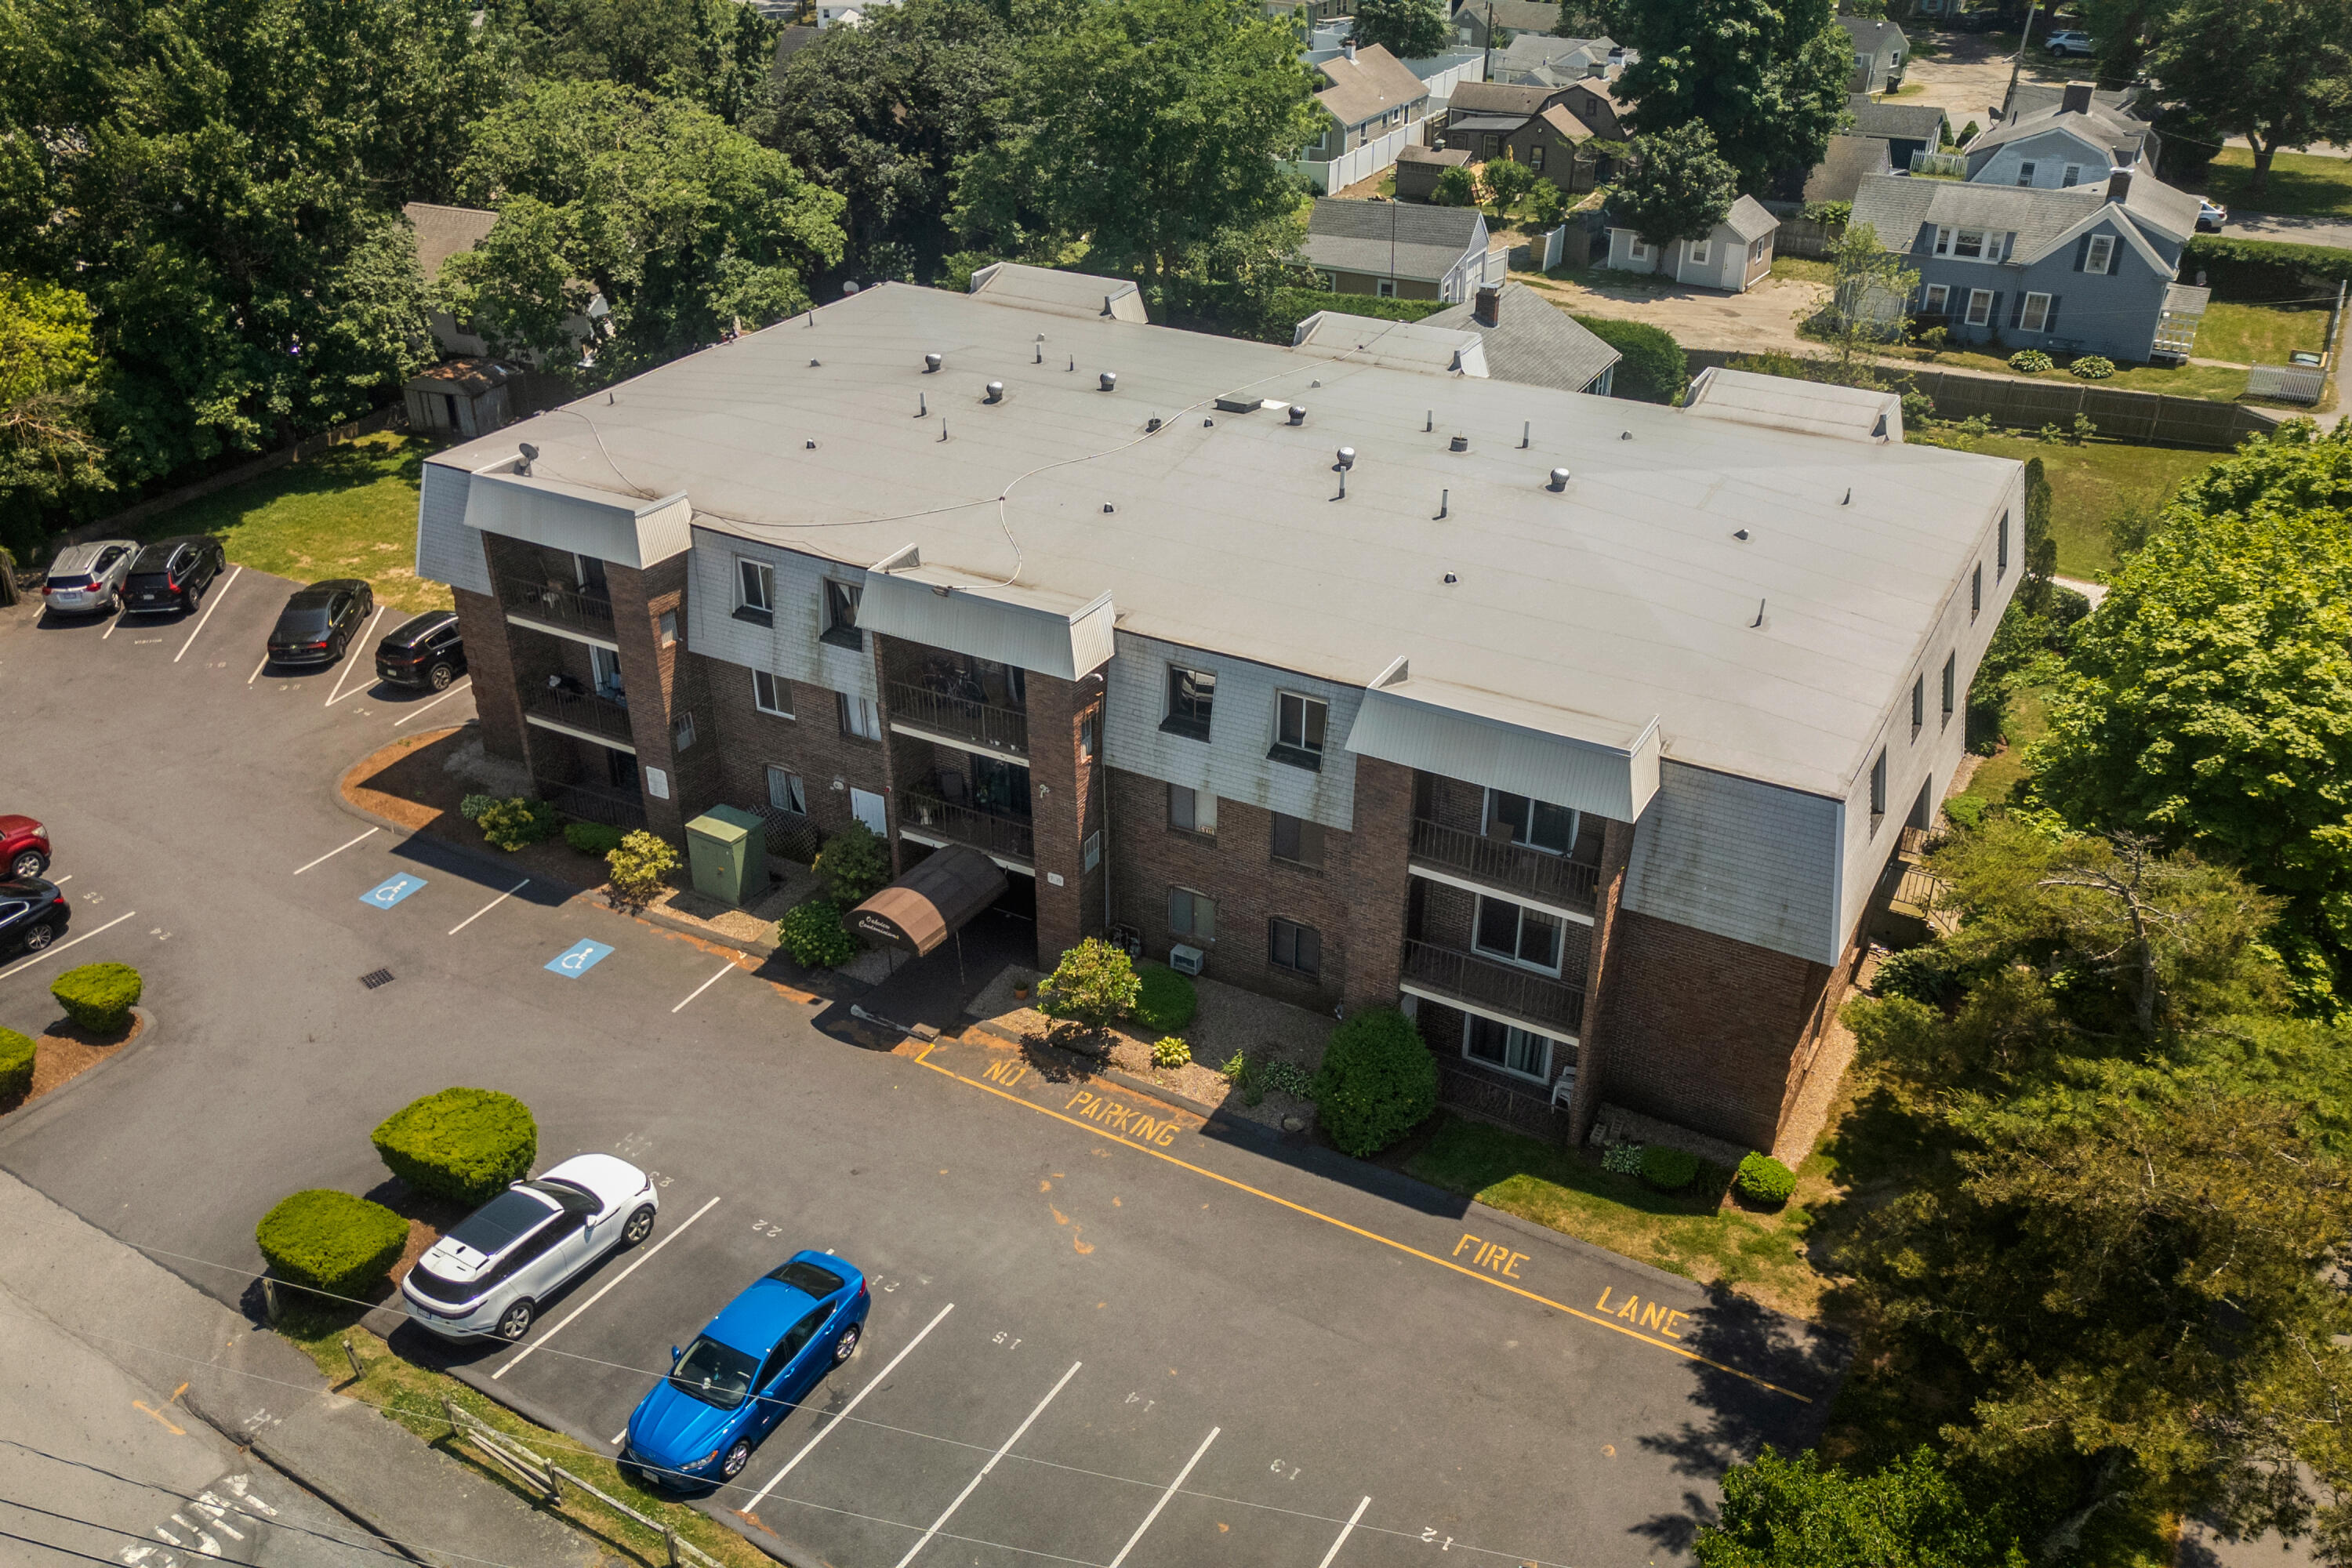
[1428, 422]
[1298, 415]
[1110, 381]
[1558, 479]
[1458, 444]
[1527, 433]
[996, 392]
[1443, 506]
[1151, 424]
[931, 364]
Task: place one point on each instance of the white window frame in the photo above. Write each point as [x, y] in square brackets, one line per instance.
[2101, 258]
[1384, 288]
[2025, 171]
[1938, 300]
[2034, 316]
[1984, 242]
[777, 702]
[755, 577]
[1979, 297]
[1094, 849]
[795, 791]
[1282, 701]
[1560, 939]
[1636, 248]
[2074, 177]
[1943, 239]
[669, 628]
[1193, 935]
[682, 731]
[858, 718]
[1575, 822]
[1700, 249]
[1470, 1022]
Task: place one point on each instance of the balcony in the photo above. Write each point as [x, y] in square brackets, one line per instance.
[1544, 1004]
[994, 725]
[556, 608]
[1506, 867]
[596, 803]
[923, 813]
[598, 718]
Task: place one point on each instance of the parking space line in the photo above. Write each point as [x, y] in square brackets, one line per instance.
[1166, 1495]
[61, 882]
[723, 971]
[337, 695]
[833, 1425]
[257, 669]
[486, 909]
[436, 702]
[206, 616]
[113, 625]
[337, 850]
[639, 1262]
[974, 1485]
[53, 951]
[1345, 1530]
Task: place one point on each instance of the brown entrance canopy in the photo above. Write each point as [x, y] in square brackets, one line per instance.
[931, 902]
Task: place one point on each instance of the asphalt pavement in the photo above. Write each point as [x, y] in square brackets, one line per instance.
[1104, 1331]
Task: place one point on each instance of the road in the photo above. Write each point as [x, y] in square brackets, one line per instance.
[1104, 1331]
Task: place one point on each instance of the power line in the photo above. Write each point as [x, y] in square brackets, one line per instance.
[266, 1524]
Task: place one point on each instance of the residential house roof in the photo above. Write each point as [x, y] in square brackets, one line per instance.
[467, 378]
[1897, 121]
[1368, 85]
[1518, 16]
[2028, 95]
[1415, 153]
[1840, 173]
[1873, 35]
[1519, 98]
[1570, 57]
[1502, 123]
[1532, 341]
[2042, 218]
[1750, 219]
[2100, 125]
[1393, 239]
[1567, 124]
[1623, 599]
[444, 232]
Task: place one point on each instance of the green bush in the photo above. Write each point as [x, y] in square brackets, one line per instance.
[1625, 1159]
[1965, 810]
[1170, 1052]
[2256, 269]
[1923, 974]
[1668, 1170]
[1292, 306]
[517, 823]
[1287, 1078]
[634, 868]
[1095, 984]
[1654, 369]
[593, 838]
[2032, 362]
[98, 996]
[1164, 1000]
[1762, 1179]
[473, 805]
[813, 933]
[331, 1242]
[16, 1052]
[465, 1144]
[2091, 367]
[1378, 1081]
[855, 864]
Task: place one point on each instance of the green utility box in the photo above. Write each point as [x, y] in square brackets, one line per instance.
[727, 848]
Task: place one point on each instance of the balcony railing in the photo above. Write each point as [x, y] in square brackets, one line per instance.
[577, 711]
[989, 724]
[983, 830]
[557, 605]
[1555, 878]
[593, 803]
[1545, 1002]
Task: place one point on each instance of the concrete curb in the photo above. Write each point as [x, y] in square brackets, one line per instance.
[1101, 1068]
[33, 1115]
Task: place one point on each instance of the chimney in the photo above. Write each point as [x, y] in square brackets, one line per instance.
[2118, 184]
[1350, 45]
[2076, 99]
[1488, 310]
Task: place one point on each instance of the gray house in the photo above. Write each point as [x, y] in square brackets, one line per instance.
[1397, 250]
[1530, 340]
[1905, 127]
[1477, 23]
[1543, 59]
[1879, 48]
[2076, 140]
[1735, 254]
[2085, 269]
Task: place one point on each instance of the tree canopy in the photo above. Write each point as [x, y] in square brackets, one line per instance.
[1409, 29]
[2278, 73]
[1679, 187]
[1768, 79]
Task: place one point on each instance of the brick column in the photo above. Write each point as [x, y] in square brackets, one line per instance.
[489, 659]
[649, 676]
[1379, 884]
[1060, 786]
[1592, 1047]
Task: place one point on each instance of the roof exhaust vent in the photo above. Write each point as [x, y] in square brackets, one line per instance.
[1558, 479]
[1346, 459]
[1459, 444]
[1297, 414]
[1110, 381]
[1625, 435]
[530, 456]
[931, 364]
[996, 392]
[849, 287]
[1151, 424]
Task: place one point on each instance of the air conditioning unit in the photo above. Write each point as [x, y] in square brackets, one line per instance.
[1186, 959]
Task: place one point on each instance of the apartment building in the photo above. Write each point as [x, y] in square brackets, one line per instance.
[1583, 729]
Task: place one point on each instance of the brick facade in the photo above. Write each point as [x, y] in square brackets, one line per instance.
[1593, 1049]
[489, 659]
[1061, 786]
[811, 743]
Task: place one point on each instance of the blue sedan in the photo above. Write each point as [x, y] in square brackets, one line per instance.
[746, 1371]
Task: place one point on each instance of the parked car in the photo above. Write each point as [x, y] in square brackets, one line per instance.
[426, 651]
[319, 622]
[2210, 217]
[85, 578]
[488, 1276]
[33, 914]
[2068, 45]
[757, 1359]
[173, 573]
[24, 847]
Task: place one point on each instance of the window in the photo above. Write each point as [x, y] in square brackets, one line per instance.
[2000, 549]
[1699, 251]
[1918, 705]
[2035, 315]
[1192, 693]
[1951, 674]
[755, 586]
[1980, 307]
[683, 730]
[1516, 934]
[669, 628]
[1385, 288]
[1515, 1050]
[1637, 249]
[1939, 299]
[1192, 810]
[1535, 156]
[1879, 789]
[604, 666]
[785, 791]
[1094, 849]
[2099, 256]
[1976, 591]
[2074, 176]
[1491, 146]
[2025, 173]
[1943, 240]
[1295, 947]
[841, 614]
[1192, 914]
[857, 717]
[1089, 735]
[1538, 824]
[1298, 729]
[1297, 840]
[1968, 244]
[1758, 249]
[771, 694]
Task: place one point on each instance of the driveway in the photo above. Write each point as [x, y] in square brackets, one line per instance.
[2334, 231]
[1763, 319]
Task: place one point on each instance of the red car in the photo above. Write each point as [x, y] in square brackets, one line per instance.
[24, 847]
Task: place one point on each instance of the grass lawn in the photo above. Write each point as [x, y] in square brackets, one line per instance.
[2302, 184]
[349, 512]
[1804, 270]
[2217, 384]
[2260, 334]
[2028, 718]
[2090, 483]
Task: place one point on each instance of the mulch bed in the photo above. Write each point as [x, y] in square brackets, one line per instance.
[410, 782]
[65, 1052]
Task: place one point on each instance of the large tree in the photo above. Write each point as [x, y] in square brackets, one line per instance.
[1768, 78]
[1409, 29]
[2277, 72]
[717, 54]
[1679, 188]
[49, 456]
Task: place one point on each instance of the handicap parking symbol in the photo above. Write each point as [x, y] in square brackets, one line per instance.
[578, 959]
[391, 890]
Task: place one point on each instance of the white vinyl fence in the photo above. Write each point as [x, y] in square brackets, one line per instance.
[1361, 163]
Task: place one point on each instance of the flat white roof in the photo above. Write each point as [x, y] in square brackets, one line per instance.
[1626, 596]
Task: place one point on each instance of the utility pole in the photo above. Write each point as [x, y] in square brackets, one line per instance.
[1486, 63]
[2024, 39]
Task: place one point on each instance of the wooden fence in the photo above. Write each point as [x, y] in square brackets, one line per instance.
[549, 1480]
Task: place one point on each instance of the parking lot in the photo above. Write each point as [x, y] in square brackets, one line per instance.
[1102, 1332]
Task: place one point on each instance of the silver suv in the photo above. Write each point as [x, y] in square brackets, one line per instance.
[87, 577]
[488, 1275]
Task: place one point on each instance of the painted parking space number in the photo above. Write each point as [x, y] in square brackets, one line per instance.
[391, 890]
[579, 958]
[1288, 1472]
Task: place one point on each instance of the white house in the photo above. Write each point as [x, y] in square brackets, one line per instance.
[1735, 254]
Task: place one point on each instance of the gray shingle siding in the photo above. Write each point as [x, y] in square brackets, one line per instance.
[788, 646]
[1751, 861]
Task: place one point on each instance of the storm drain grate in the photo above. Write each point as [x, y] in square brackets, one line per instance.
[375, 978]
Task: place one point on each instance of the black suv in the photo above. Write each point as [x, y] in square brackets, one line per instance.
[33, 914]
[426, 651]
[173, 573]
[319, 622]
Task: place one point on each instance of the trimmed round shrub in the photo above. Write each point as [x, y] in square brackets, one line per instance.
[813, 933]
[1764, 1179]
[1170, 1052]
[331, 1242]
[1165, 1000]
[1625, 1159]
[517, 824]
[473, 805]
[465, 1144]
[2093, 367]
[16, 1052]
[2032, 361]
[98, 996]
[1668, 1170]
[638, 868]
[1378, 1081]
[596, 838]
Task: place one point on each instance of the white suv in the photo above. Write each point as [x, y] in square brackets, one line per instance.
[488, 1276]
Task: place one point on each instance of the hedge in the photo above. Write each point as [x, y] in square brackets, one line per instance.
[813, 933]
[2263, 269]
[517, 823]
[596, 838]
[1764, 1179]
[1668, 1170]
[1167, 1000]
[17, 1053]
[98, 996]
[331, 1242]
[465, 1144]
[1292, 306]
[1376, 1083]
[1654, 369]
